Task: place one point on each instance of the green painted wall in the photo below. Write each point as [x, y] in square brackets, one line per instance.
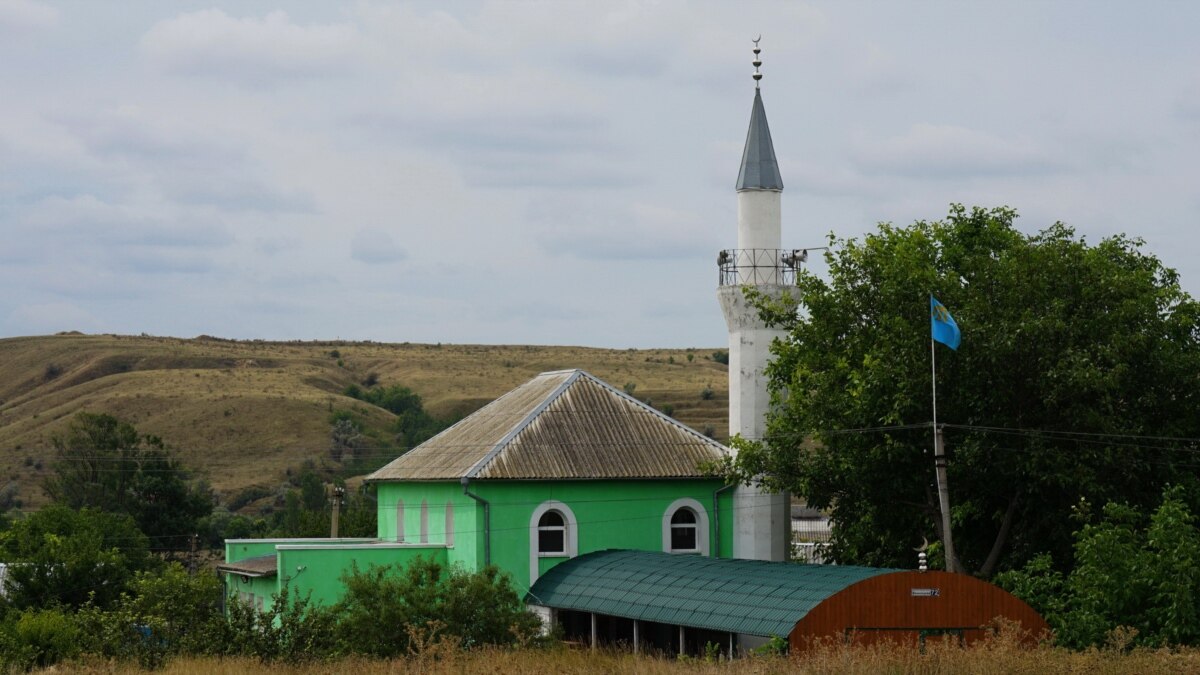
[465, 540]
[316, 572]
[610, 514]
[256, 591]
[240, 549]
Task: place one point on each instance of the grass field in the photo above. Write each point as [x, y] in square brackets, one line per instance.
[242, 412]
[993, 659]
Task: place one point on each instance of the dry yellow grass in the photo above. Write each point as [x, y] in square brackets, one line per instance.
[993, 659]
[241, 412]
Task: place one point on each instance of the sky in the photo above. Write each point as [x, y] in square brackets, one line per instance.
[546, 172]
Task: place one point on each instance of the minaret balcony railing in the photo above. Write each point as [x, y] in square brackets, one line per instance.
[759, 266]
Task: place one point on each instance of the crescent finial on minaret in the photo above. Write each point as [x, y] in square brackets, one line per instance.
[757, 61]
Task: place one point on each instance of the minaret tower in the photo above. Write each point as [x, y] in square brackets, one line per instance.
[761, 520]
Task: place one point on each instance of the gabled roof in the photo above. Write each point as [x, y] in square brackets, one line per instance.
[565, 424]
[740, 596]
[759, 170]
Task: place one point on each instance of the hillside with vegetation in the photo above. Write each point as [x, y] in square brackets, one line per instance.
[246, 414]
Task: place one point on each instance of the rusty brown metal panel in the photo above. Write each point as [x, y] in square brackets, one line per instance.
[898, 607]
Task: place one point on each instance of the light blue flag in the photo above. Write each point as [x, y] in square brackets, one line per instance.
[942, 324]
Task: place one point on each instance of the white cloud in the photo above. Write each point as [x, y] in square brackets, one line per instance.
[53, 317]
[17, 16]
[375, 247]
[593, 228]
[210, 42]
[949, 151]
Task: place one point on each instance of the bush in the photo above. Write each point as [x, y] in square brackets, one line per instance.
[293, 630]
[385, 606]
[706, 393]
[721, 356]
[45, 637]
[1131, 572]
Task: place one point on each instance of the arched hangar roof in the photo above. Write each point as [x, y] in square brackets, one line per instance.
[739, 596]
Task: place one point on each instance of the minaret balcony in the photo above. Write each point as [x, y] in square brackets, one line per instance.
[759, 266]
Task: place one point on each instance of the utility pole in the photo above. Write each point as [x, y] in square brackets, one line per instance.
[338, 491]
[192, 555]
[943, 486]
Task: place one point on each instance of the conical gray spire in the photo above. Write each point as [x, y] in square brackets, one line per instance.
[760, 170]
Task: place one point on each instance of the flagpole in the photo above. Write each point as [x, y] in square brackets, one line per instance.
[939, 463]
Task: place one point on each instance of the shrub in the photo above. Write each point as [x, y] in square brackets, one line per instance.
[384, 606]
[706, 393]
[1133, 576]
[721, 356]
[46, 637]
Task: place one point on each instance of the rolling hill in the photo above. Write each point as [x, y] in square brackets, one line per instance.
[244, 412]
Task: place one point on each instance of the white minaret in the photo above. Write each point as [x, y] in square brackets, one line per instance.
[761, 520]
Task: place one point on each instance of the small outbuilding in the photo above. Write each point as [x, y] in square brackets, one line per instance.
[682, 604]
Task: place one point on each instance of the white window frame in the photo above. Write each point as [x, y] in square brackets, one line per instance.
[702, 533]
[570, 535]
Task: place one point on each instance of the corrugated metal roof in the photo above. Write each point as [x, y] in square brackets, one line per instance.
[259, 566]
[563, 424]
[741, 596]
[759, 169]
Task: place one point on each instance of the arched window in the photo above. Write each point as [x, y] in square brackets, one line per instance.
[683, 530]
[399, 520]
[449, 523]
[685, 527]
[552, 534]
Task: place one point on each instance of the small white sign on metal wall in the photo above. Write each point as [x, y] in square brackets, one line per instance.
[926, 592]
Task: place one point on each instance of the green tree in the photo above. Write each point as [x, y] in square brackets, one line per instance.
[1131, 571]
[383, 603]
[413, 424]
[1058, 335]
[67, 557]
[103, 462]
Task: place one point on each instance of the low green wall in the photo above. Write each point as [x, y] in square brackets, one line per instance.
[240, 549]
[315, 571]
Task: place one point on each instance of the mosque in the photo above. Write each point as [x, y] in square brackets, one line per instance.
[598, 506]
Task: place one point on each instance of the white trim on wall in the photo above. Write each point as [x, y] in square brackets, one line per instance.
[570, 535]
[449, 531]
[701, 525]
[424, 522]
[399, 520]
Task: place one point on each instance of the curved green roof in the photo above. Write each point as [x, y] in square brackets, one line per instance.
[739, 596]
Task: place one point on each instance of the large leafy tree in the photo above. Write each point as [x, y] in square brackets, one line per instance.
[1069, 350]
[103, 462]
[60, 556]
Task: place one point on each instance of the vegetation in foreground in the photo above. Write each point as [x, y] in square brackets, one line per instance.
[999, 656]
[166, 614]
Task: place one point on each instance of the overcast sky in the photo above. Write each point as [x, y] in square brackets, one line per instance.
[551, 173]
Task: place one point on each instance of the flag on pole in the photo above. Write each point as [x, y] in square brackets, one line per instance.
[942, 324]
